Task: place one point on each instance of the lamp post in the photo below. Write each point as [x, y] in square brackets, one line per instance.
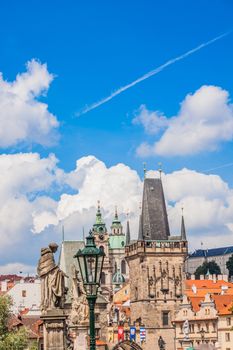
[90, 261]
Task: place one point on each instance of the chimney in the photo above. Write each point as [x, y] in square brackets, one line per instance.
[193, 277]
[214, 278]
[201, 277]
[225, 278]
[194, 289]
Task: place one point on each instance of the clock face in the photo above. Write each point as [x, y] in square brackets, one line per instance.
[101, 237]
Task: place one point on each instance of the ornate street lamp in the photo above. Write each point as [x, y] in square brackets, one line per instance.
[90, 261]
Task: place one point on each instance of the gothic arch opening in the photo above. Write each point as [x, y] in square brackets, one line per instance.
[127, 345]
[123, 267]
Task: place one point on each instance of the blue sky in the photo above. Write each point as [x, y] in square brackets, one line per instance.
[93, 48]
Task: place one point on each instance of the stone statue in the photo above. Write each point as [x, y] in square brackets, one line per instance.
[53, 288]
[80, 310]
[161, 343]
[185, 329]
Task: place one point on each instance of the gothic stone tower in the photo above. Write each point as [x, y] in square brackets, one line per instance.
[156, 269]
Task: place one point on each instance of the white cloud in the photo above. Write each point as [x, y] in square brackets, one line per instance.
[152, 122]
[24, 119]
[118, 185]
[30, 217]
[204, 121]
[17, 268]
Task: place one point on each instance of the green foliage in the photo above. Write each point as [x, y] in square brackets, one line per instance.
[229, 265]
[33, 346]
[10, 339]
[5, 305]
[210, 266]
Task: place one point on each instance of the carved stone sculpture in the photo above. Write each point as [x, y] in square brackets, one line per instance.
[161, 343]
[185, 329]
[80, 310]
[53, 288]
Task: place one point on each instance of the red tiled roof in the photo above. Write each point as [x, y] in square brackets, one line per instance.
[223, 303]
[202, 284]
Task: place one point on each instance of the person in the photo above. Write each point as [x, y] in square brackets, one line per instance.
[53, 288]
[161, 343]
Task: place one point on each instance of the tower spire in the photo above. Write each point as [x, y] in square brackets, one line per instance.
[183, 230]
[153, 222]
[127, 242]
[99, 225]
[116, 214]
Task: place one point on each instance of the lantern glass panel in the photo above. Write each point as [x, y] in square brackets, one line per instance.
[81, 262]
[99, 267]
[91, 267]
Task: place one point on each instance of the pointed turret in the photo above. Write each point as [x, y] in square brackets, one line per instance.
[116, 227]
[183, 230]
[154, 222]
[127, 242]
[99, 225]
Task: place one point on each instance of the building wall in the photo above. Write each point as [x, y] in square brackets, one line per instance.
[25, 295]
[156, 272]
[225, 332]
[192, 263]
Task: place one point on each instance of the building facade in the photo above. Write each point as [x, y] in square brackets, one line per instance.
[156, 269]
[219, 255]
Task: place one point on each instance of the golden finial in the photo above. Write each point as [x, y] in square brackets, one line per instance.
[144, 170]
[160, 170]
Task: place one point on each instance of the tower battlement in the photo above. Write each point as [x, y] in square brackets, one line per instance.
[157, 247]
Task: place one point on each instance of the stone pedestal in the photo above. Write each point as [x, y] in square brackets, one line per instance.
[186, 344]
[81, 339]
[54, 330]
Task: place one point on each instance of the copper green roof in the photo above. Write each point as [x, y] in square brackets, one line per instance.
[117, 241]
[99, 225]
[118, 278]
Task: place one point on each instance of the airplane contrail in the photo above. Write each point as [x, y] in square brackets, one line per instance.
[148, 75]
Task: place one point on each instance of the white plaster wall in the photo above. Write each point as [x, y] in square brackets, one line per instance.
[32, 298]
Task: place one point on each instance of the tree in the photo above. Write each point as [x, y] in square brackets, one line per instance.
[211, 267]
[10, 339]
[229, 265]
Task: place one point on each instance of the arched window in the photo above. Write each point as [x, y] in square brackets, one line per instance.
[101, 248]
[102, 278]
[123, 267]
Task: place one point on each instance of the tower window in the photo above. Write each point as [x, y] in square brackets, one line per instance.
[165, 318]
[123, 267]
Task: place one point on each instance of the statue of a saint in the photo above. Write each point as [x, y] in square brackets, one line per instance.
[161, 343]
[53, 288]
[185, 329]
[80, 310]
